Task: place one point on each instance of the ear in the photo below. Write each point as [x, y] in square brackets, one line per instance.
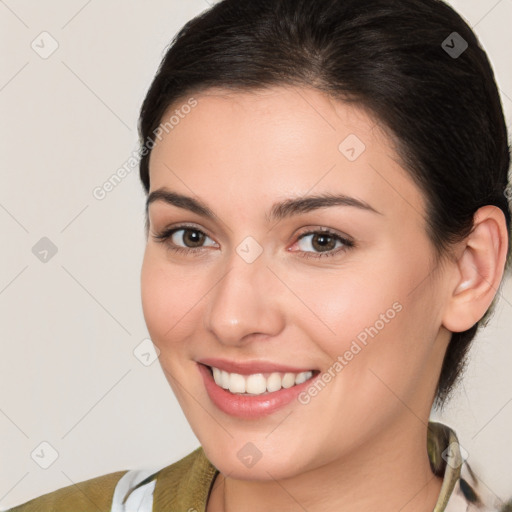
[478, 270]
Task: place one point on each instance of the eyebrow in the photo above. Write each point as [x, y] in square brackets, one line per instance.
[278, 211]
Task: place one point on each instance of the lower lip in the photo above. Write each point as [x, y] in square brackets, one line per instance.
[249, 406]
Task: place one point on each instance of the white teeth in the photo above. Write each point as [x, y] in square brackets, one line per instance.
[236, 383]
[288, 380]
[257, 384]
[274, 382]
[301, 377]
[224, 382]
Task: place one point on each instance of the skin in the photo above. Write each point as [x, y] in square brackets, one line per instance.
[240, 153]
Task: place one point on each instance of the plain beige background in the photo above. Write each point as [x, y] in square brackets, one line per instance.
[71, 322]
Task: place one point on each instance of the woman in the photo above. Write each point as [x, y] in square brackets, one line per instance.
[327, 227]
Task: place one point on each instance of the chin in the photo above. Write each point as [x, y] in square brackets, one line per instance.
[245, 460]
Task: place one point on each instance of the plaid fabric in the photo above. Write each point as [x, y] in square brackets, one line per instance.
[184, 486]
[461, 490]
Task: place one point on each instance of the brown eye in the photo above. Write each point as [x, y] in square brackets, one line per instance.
[322, 243]
[184, 239]
[191, 237]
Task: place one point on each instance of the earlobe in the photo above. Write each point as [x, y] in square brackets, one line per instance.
[479, 270]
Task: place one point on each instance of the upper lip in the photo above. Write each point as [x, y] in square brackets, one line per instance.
[250, 367]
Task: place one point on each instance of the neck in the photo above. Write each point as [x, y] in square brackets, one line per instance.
[389, 473]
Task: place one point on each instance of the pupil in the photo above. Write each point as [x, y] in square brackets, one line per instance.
[195, 237]
[323, 241]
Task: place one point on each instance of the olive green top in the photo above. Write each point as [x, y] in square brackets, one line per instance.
[185, 485]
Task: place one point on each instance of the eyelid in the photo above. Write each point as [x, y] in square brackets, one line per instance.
[303, 231]
[178, 226]
[322, 229]
[346, 240]
[166, 232]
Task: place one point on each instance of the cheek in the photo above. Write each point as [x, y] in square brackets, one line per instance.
[401, 360]
[371, 314]
[168, 300]
[346, 304]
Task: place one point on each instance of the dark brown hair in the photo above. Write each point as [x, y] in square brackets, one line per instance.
[414, 64]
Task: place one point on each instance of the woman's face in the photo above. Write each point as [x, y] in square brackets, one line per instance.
[255, 282]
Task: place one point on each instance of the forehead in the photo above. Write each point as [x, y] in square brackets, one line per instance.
[276, 142]
[282, 117]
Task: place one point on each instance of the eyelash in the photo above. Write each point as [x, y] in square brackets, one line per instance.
[165, 235]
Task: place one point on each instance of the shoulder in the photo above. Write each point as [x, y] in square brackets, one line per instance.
[184, 482]
[462, 488]
[90, 495]
[183, 485]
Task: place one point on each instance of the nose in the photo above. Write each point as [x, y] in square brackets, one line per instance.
[244, 302]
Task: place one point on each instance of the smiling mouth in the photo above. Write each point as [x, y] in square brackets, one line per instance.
[258, 383]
